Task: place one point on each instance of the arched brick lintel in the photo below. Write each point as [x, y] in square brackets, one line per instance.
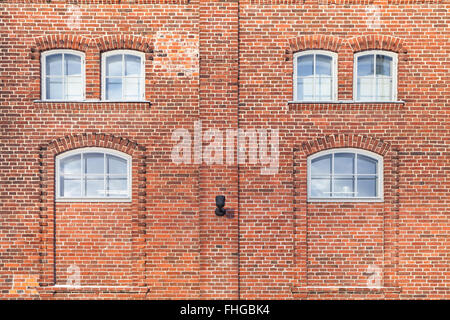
[109, 141]
[377, 42]
[60, 41]
[345, 141]
[131, 42]
[313, 42]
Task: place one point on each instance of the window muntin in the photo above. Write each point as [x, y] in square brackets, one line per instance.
[375, 76]
[93, 174]
[62, 75]
[345, 175]
[315, 76]
[123, 75]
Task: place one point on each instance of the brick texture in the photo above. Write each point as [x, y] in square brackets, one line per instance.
[228, 64]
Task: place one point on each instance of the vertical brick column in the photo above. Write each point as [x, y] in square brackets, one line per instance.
[218, 110]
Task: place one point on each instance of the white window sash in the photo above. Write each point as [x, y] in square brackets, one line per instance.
[141, 77]
[83, 176]
[334, 197]
[314, 77]
[63, 77]
[375, 90]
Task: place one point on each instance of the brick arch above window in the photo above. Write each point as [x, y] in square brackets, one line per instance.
[131, 42]
[103, 140]
[59, 41]
[313, 42]
[377, 42]
[345, 141]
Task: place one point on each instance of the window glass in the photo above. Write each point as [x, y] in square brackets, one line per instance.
[320, 188]
[114, 89]
[314, 78]
[365, 65]
[63, 77]
[367, 165]
[342, 174]
[367, 187]
[93, 175]
[321, 165]
[132, 65]
[375, 77]
[73, 65]
[123, 78]
[305, 65]
[116, 165]
[114, 65]
[344, 163]
[71, 165]
[384, 65]
[323, 65]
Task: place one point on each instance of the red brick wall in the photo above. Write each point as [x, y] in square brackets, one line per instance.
[228, 64]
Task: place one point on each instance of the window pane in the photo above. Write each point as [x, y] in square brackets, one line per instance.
[54, 65]
[320, 188]
[343, 187]
[94, 163]
[74, 89]
[117, 187]
[323, 65]
[367, 165]
[116, 165]
[114, 89]
[367, 187]
[323, 88]
[305, 89]
[384, 65]
[132, 89]
[366, 88]
[384, 89]
[132, 65]
[305, 65]
[54, 88]
[71, 165]
[344, 163]
[365, 65]
[321, 165]
[95, 187]
[73, 64]
[70, 187]
[114, 65]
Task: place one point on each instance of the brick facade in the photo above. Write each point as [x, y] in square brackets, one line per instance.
[228, 64]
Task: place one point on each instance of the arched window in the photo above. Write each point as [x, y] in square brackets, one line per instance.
[62, 75]
[93, 174]
[375, 76]
[123, 75]
[315, 76]
[345, 175]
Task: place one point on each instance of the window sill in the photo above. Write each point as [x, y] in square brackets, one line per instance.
[93, 104]
[344, 200]
[344, 105]
[93, 200]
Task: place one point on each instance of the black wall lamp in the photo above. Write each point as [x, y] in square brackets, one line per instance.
[220, 203]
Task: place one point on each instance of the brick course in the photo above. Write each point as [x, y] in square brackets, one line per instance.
[228, 64]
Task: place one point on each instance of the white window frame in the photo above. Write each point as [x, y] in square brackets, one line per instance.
[334, 84]
[394, 57]
[380, 174]
[44, 56]
[82, 151]
[123, 52]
